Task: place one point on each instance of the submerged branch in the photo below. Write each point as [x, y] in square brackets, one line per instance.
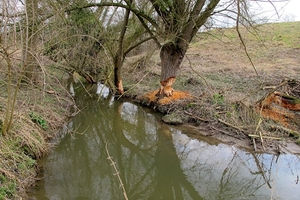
[116, 170]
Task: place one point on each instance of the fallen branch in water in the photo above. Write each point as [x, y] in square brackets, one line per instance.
[261, 170]
[116, 170]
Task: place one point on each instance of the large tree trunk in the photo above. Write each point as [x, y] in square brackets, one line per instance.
[184, 26]
[119, 58]
[171, 56]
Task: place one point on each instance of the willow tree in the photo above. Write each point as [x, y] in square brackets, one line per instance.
[172, 24]
[181, 21]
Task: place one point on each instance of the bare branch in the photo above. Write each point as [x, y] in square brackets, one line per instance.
[240, 36]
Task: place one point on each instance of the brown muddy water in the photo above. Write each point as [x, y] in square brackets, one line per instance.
[154, 160]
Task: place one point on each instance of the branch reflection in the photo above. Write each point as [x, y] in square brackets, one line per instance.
[156, 161]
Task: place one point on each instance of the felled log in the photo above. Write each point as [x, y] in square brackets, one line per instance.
[281, 108]
[286, 101]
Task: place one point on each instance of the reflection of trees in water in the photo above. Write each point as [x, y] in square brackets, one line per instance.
[282, 172]
[224, 172]
[153, 163]
[220, 169]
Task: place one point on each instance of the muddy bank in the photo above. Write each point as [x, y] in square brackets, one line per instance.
[210, 118]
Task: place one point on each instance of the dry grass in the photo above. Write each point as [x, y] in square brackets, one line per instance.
[37, 119]
[222, 83]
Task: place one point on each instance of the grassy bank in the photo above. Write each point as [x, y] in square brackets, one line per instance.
[226, 88]
[39, 112]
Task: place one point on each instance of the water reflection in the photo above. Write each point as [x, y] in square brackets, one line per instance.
[156, 161]
[224, 172]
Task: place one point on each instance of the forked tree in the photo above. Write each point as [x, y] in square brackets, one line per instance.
[172, 24]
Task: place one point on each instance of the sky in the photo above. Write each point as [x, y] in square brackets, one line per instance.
[261, 12]
[287, 10]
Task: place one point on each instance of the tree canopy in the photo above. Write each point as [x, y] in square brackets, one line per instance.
[94, 37]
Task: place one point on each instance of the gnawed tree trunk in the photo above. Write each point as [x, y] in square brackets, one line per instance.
[171, 57]
[119, 58]
[183, 26]
[118, 73]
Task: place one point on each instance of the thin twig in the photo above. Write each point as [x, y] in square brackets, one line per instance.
[262, 140]
[233, 126]
[241, 38]
[259, 167]
[207, 84]
[266, 137]
[116, 170]
[254, 145]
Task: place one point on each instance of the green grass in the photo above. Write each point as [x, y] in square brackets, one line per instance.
[8, 187]
[36, 119]
[13, 159]
[285, 34]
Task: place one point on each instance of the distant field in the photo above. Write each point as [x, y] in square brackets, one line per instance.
[285, 34]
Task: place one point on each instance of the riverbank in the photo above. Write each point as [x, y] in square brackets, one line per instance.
[217, 90]
[40, 110]
[227, 97]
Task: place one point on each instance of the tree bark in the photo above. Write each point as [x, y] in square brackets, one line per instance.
[119, 58]
[118, 73]
[172, 53]
[171, 56]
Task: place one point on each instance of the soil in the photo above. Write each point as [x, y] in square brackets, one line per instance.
[217, 91]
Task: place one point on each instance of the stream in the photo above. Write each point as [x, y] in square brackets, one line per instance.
[153, 160]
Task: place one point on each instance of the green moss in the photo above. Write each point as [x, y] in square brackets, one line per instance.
[173, 118]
